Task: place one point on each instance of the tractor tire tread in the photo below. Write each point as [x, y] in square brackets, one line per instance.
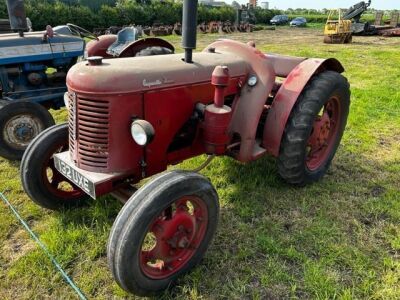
[291, 160]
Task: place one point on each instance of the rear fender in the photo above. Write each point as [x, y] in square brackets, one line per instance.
[248, 108]
[133, 48]
[287, 96]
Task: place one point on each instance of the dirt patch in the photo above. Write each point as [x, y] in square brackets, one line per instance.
[291, 36]
[17, 245]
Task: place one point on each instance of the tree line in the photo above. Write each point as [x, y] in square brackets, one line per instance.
[92, 14]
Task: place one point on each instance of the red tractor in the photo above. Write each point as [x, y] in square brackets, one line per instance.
[129, 118]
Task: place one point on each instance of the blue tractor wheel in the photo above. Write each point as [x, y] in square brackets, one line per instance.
[20, 123]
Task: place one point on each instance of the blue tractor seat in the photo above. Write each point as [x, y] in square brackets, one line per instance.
[124, 37]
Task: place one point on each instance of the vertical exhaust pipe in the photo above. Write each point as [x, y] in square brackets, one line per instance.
[189, 28]
[17, 15]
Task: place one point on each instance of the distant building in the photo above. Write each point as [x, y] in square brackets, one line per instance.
[212, 3]
[264, 5]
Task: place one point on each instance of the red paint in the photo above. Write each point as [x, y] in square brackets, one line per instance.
[250, 104]
[177, 233]
[217, 116]
[287, 96]
[220, 80]
[110, 95]
[216, 122]
[168, 110]
[133, 48]
[324, 135]
[103, 142]
[99, 47]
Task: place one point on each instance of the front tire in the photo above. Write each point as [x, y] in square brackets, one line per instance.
[41, 180]
[20, 123]
[162, 232]
[314, 129]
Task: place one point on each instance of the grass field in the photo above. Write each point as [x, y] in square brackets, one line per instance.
[338, 238]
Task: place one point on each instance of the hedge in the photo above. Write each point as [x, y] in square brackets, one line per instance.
[48, 12]
[139, 12]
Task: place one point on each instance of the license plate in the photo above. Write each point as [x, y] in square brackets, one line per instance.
[75, 177]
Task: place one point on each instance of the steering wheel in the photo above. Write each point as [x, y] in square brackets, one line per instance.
[82, 32]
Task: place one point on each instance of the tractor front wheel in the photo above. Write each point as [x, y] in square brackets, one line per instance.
[41, 180]
[162, 232]
[314, 129]
[20, 123]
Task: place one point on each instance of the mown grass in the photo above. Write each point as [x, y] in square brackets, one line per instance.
[338, 238]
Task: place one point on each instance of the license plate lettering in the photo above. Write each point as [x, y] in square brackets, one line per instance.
[75, 177]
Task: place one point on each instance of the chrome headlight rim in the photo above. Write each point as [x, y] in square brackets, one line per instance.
[142, 132]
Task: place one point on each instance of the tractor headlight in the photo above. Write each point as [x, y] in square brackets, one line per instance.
[142, 132]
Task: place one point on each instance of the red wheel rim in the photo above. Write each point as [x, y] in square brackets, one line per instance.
[56, 183]
[174, 237]
[324, 134]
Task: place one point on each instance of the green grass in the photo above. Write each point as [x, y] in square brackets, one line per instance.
[336, 239]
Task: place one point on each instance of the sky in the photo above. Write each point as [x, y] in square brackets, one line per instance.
[284, 4]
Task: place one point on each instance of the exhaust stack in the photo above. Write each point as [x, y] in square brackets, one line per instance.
[189, 28]
[17, 15]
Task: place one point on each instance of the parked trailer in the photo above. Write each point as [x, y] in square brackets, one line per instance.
[130, 118]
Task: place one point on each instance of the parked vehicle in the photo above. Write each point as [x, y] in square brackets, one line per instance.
[298, 22]
[337, 30]
[130, 118]
[33, 70]
[279, 20]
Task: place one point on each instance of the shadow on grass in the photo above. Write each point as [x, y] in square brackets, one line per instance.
[275, 240]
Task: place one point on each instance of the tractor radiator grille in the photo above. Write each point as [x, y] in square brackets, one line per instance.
[89, 131]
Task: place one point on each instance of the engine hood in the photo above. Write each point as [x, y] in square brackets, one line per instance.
[141, 74]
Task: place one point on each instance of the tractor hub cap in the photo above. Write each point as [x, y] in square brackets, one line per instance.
[323, 135]
[173, 237]
[20, 130]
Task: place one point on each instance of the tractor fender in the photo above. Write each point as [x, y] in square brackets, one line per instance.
[248, 107]
[287, 96]
[133, 48]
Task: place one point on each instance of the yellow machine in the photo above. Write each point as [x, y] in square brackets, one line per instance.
[337, 31]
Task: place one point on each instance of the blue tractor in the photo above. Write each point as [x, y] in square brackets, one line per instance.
[33, 69]
[34, 66]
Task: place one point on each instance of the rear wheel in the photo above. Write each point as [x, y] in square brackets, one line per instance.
[20, 123]
[314, 129]
[162, 232]
[40, 179]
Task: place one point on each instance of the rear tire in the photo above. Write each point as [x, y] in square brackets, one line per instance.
[314, 129]
[155, 50]
[40, 179]
[157, 237]
[20, 123]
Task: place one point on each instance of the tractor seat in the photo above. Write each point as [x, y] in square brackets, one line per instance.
[124, 38]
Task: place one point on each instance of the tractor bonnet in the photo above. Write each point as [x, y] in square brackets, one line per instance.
[140, 74]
